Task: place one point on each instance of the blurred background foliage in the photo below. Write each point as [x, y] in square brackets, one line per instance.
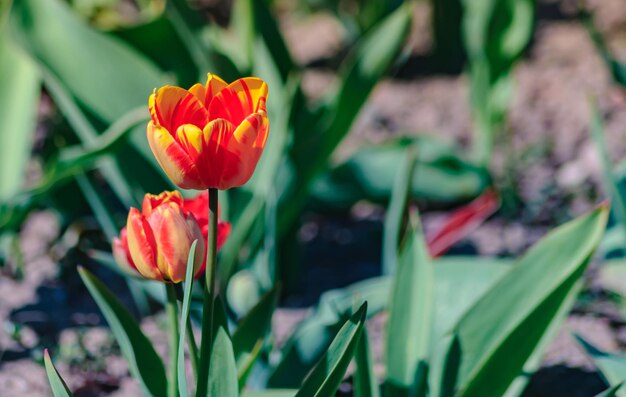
[75, 76]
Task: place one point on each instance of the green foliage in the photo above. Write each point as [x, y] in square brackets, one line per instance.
[144, 363]
[394, 219]
[500, 332]
[365, 383]
[117, 80]
[326, 376]
[184, 324]
[19, 99]
[410, 313]
[223, 370]
[495, 33]
[57, 384]
[456, 326]
[441, 174]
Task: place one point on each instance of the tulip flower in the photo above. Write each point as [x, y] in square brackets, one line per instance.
[212, 135]
[197, 206]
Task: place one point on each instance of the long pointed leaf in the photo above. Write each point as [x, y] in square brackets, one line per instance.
[184, 322]
[19, 100]
[396, 212]
[327, 375]
[365, 383]
[144, 363]
[57, 384]
[105, 74]
[410, 318]
[223, 371]
[500, 332]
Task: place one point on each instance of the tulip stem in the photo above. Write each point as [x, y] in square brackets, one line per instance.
[171, 309]
[209, 297]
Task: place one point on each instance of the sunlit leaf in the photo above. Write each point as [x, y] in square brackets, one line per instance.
[325, 378]
[500, 332]
[144, 363]
[57, 384]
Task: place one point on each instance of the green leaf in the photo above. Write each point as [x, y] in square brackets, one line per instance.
[223, 371]
[19, 100]
[267, 27]
[396, 212]
[372, 58]
[536, 358]
[144, 363]
[57, 384]
[313, 336]
[365, 66]
[611, 366]
[315, 142]
[106, 75]
[184, 321]
[500, 332]
[242, 22]
[495, 33]
[411, 312]
[327, 375]
[365, 383]
[460, 281]
[441, 175]
[251, 332]
[161, 40]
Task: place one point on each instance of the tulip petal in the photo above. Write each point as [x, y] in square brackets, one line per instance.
[223, 231]
[151, 201]
[212, 162]
[171, 107]
[239, 99]
[191, 139]
[175, 233]
[122, 255]
[142, 245]
[176, 163]
[205, 93]
[244, 150]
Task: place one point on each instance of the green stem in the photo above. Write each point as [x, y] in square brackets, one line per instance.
[171, 308]
[209, 297]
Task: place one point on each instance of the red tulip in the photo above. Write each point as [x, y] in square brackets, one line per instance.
[156, 241]
[210, 136]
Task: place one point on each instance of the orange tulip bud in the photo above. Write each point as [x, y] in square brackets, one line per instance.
[210, 136]
[196, 208]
